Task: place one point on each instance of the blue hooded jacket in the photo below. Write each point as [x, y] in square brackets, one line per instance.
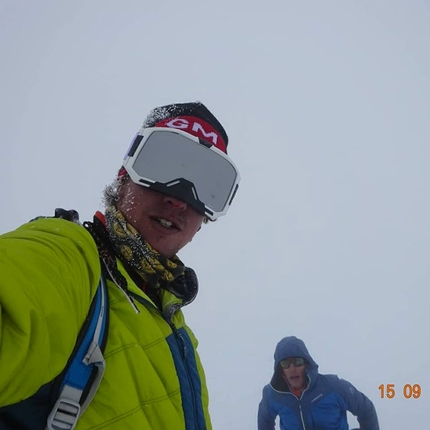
[322, 405]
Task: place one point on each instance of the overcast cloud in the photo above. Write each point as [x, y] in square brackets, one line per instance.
[326, 104]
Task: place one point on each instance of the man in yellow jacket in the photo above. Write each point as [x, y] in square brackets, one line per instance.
[175, 176]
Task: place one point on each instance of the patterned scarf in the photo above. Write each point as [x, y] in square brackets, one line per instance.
[154, 268]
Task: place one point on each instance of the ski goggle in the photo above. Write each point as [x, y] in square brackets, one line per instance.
[179, 164]
[297, 361]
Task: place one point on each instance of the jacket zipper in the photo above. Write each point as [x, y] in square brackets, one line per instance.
[300, 404]
[301, 416]
[299, 399]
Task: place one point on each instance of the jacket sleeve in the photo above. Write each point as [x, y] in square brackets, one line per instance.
[49, 271]
[360, 406]
[266, 414]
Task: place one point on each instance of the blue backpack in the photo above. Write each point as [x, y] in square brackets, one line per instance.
[84, 371]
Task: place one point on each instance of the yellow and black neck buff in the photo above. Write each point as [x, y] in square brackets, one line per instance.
[154, 268]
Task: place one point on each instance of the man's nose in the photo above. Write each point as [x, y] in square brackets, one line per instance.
[176, 203]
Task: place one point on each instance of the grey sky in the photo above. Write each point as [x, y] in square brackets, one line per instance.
[326, 105]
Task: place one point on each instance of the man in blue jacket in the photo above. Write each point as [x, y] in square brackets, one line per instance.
[307, 400]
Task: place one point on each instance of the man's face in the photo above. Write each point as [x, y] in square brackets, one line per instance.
[295, 376]
[167, 223]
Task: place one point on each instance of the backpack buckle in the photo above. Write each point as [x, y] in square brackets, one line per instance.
[64, 415]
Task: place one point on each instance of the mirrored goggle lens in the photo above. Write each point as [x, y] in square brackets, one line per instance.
[297, 361]
[167, 156]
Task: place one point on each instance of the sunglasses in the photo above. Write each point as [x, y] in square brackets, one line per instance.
[297, 361]
[176, 163]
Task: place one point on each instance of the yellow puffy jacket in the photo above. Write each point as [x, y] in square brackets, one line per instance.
[49, 272]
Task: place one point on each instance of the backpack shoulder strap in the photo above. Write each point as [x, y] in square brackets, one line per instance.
[84, 371]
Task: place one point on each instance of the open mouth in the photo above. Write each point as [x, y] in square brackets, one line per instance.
[170, 225]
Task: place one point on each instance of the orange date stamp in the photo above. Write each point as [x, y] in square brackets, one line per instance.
[409, 391]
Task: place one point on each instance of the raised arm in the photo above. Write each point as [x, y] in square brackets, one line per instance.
[49, 271]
